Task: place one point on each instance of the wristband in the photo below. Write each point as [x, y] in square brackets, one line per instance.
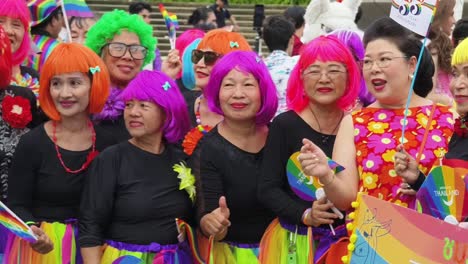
[305, 215]
[417, 184]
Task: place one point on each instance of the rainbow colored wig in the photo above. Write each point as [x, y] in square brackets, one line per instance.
[68, 58]
[223, 42]
[157, 87]
[5, 59]
[249, 63]
[188, 72]
[460, 55]
[112, 24]
[323, 48]
[18, 10]
[353, 41]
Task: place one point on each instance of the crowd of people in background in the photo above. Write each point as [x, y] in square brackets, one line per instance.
[104, 142]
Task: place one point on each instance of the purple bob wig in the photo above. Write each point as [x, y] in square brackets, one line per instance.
[352, 40]
[247, 62]
[18, 9]
[158, 88]
[323, 48]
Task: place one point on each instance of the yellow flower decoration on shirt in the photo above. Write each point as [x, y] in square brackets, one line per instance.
[187, 180]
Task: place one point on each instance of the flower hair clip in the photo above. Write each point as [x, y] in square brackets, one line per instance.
[93, 70]
[166, 86]
[233, 44]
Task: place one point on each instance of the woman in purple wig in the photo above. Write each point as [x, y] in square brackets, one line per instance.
[228, 158]
[132, 197]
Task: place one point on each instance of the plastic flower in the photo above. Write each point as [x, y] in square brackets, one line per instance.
[187, 180]
[16, 111]
[192, 137]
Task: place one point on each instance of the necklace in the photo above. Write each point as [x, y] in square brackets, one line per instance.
[200, 127]
[91, 155]
[325, 138]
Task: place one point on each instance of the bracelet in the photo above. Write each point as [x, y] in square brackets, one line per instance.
[330, 181]
[30, 223]
[417, 184]
[305, 215]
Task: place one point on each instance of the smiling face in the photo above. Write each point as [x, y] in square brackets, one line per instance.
[15, 31]
[325, 82]
[459, 87]
[122, 70]
[70, 93]
[390, 82]
[143, 118]
[239, 96]
[202, 72]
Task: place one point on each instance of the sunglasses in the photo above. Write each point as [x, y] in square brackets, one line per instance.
[210, 57]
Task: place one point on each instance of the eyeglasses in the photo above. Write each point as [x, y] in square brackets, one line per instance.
[382, 62]
[315, 72]
[118, 50]
[210, 57]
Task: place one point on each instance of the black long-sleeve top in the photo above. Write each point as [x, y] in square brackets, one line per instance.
[458, 148]
[115, 127]
[226, 170]
[133, 196]
[285, 138]
[40, 188]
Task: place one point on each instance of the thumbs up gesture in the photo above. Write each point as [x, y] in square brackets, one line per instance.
[313, 161]
[217, 222]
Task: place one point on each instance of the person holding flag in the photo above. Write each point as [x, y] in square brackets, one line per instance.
[366, 141]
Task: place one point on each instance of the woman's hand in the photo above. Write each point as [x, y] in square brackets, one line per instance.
[313, 161]
[217, 222]
[43, 245]
[319, 214]
[172, 65]
[406, 166]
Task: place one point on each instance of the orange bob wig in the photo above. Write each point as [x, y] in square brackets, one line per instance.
[68, 58]
[223, 42]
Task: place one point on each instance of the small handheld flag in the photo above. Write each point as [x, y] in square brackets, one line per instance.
[13, 223]
[172, 24]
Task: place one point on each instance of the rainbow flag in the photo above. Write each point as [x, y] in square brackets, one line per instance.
[13, 223]
[77, 8]
[186, 230]
[383, 232]
[444, 193]
[172, 24]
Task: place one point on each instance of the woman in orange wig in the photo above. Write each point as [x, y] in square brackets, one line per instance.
[51, 162]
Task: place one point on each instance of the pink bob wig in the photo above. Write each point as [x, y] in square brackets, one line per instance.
[158, 88]
[323, 48]
[5, 59]
[249, 63]
[17, 9]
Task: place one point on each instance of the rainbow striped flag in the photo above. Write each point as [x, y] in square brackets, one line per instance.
[13, 223]
[172, 24]
[383, 232]
[77, 8]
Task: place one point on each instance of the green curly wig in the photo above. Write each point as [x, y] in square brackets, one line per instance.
[113, 23]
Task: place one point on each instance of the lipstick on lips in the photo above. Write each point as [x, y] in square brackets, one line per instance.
[67, 103]
[238, 106]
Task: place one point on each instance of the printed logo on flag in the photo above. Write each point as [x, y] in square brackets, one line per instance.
[415, 15]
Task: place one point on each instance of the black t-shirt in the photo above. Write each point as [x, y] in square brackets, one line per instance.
[223, 169]
[190, 97]
[133, 196]
[285, 138]
[40, 188]
[221, 15]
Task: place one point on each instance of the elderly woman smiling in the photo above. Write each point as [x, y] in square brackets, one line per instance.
[126, 44]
